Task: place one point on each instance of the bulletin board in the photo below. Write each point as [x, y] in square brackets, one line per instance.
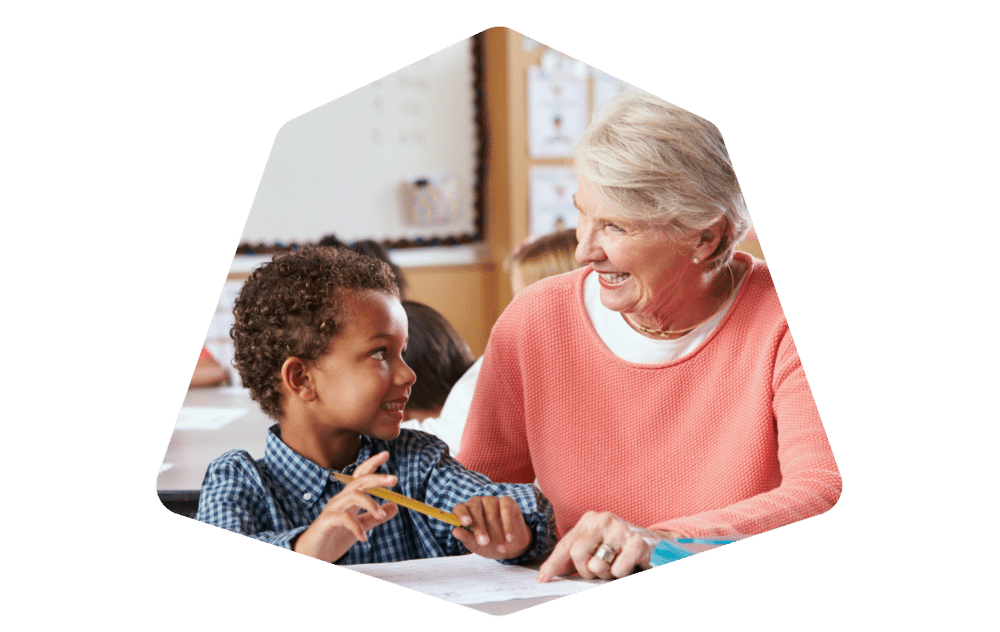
[396, 161]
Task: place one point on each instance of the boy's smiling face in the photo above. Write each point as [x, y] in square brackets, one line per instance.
[362, 383]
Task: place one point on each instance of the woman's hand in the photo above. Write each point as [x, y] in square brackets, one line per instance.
[342, 522]
[625, 548]
[492, 527]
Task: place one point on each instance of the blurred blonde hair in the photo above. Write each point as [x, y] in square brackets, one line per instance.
[546, 256]
[664, 167]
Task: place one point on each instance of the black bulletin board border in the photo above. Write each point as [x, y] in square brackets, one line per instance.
[138, 136]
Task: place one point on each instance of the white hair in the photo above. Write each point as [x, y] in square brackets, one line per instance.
[664, 167]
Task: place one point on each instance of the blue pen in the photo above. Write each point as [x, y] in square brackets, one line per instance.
[703, 541]
[667, 551]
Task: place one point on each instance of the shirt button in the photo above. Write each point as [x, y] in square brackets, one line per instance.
[307, 496]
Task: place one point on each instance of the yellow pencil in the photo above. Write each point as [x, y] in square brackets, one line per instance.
[405, 501]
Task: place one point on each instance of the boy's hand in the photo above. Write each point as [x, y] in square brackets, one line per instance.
[342, 522]
[498, 530]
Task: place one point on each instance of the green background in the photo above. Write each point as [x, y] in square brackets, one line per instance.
[134, 140]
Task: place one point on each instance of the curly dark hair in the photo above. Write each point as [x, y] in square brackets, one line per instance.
[371, 248]
[436, 352]
[292, 306]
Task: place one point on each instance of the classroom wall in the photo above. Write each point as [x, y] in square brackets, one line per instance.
[349, 166]
[472, 295]
[464, 294]
[482, 292]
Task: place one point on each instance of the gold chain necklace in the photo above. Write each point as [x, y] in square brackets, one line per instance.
[663, 333]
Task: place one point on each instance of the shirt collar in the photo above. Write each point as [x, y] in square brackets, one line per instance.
[369, 446]
[299, 477]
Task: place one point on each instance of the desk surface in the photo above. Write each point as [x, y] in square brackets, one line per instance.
[190, 451]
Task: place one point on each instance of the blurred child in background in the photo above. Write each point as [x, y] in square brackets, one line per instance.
[440, 357]
[543, 257]
[531, 261]
[208, 371]
[437, 354]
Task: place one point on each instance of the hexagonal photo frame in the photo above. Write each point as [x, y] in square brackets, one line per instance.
[449, 170]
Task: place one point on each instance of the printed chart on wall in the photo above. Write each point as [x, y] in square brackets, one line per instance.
[551, 192]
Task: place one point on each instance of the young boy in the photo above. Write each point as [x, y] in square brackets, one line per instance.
[319, 336]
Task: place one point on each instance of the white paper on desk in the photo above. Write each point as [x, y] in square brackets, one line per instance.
[207, 417]
[469, 579]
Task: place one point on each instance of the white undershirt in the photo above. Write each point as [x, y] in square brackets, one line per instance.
[630, 345]
[449, 426]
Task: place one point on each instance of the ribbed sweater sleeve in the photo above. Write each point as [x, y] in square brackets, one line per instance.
[810, 481]
[725, 441]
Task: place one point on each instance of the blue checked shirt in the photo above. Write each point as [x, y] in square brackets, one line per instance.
[275, 498]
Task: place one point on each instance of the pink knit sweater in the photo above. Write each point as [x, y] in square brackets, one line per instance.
[725, 441]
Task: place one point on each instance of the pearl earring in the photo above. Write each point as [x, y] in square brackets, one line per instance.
[697, 260]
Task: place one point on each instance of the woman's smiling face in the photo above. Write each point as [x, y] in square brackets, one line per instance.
[640, 271]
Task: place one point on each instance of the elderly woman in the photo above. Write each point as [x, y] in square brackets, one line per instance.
[655, 392]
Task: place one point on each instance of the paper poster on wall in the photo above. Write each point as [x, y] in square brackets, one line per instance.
[557, 112]
[432, 199]
[551, 199]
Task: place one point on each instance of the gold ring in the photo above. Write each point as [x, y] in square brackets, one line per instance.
[605, 553]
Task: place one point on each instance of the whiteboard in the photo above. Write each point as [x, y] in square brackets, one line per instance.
[343, 168]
